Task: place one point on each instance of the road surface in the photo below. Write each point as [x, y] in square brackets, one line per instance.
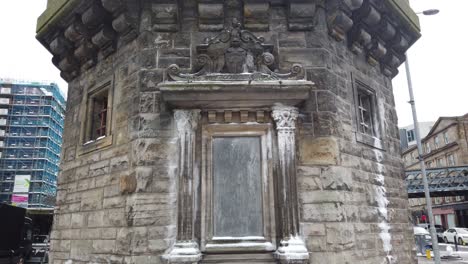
[462, 253]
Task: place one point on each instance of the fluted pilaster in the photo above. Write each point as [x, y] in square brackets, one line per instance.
[186, 249]
[292, 248]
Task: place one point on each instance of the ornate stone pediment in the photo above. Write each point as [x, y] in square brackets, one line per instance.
[235, 55]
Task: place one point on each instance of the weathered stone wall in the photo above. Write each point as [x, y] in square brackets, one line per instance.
[97, 220]
[117, 204]
[338, 176]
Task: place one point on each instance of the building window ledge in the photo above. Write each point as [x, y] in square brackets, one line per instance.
[93, 145]
[369, 140]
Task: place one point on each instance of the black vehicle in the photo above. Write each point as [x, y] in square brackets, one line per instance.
[40, 250]
[15, 235]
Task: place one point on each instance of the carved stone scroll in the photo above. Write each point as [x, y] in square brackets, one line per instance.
[297, 72]
[235, 55]
[186, 249]
[292, 248]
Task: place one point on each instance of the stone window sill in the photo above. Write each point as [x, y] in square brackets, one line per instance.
[95, 145]
[369, 140]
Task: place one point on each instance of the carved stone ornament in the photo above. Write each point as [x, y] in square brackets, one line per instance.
[186, 120]
[235, 55]
[285, 116]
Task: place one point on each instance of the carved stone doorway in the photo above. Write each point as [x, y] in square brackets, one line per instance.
[243, 117]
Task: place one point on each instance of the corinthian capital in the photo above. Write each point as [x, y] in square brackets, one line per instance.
[186, 120]
[285, 116]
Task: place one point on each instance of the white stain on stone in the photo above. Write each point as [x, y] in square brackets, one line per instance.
[382, 203]
[293, 249]
[185, 248]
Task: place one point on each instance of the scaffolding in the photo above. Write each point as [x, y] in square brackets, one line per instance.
[31, 127]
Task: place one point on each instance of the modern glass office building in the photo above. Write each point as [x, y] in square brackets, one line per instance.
[31, 127]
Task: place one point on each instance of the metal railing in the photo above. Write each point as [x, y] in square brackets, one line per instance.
[449, 181]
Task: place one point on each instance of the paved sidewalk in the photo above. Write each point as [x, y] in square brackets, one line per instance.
[423, 260]
[463, 253]
[426, 261]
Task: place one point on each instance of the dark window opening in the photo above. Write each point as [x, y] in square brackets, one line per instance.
[97, 115]
[410, 134]
[366, 112]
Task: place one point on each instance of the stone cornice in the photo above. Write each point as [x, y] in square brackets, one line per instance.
[407, 14]
[56, 9]
[234, 94]
[380, 30]
[79, 33]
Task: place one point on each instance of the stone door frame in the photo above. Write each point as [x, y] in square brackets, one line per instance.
[265, 243]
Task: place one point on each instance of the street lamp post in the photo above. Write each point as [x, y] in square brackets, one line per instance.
[435, 244]
[429, 12]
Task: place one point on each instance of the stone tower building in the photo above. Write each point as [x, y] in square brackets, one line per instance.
[236, 131]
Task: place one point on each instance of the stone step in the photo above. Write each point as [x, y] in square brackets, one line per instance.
[259, 258]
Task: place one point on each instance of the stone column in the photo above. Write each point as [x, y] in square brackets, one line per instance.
[186, 249]
[292, 248]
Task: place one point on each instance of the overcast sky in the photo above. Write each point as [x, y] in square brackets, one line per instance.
[21, 55]
[438, 64]
[438, 60]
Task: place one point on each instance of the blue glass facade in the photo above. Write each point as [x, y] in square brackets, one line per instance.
[31, 127]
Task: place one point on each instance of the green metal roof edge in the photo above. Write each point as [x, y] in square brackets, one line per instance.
[403, 8]
[56, 9]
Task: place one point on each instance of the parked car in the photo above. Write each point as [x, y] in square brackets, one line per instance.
[456, 233]
[423, 239]
[439, 230]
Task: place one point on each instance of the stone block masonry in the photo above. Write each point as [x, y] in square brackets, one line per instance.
[315, 90]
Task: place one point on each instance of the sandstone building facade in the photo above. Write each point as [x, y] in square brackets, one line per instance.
[445, 145]
[408, 136]
[230, 131]
[445, 152]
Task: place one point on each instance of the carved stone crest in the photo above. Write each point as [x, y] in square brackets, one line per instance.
[236, 58]
[235, 55]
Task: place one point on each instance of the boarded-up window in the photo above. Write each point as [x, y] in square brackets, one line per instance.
[237, 187]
